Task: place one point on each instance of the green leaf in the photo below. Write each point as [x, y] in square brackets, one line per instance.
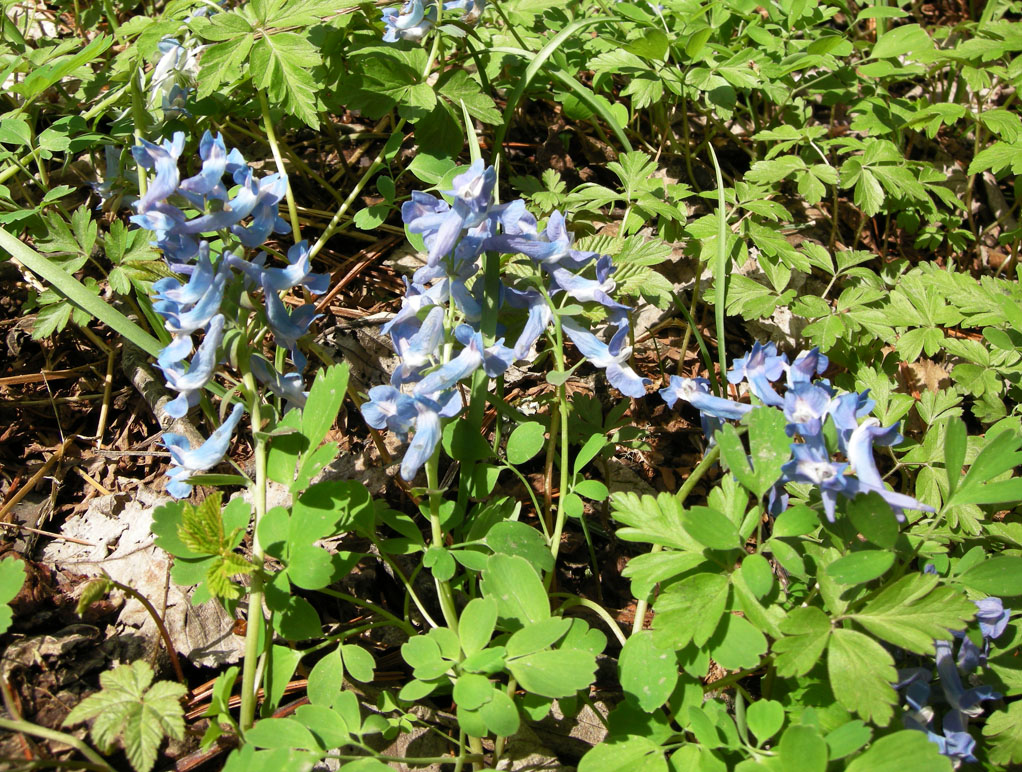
[861, 673]
[860, 567]
[873, 519]
[690, 610]
[758, 574]
[633, 754]
[710, 528]
[648, 673]
[525, 442]
[462, 89]
[500, 715]
[281, 64]
[326, 679]
[1004, 728]
[472, 691]
[765, 719]
[736, 643]
[955, 440]
[848, 738]
[475, 628]
[912, 612]
[807, 630]
[323, 404]
[554, 673]
[906, 751]
[514, 584]
[906, 39]
[512, 537]
[1000, 575]
[128, 708]
[280, 733]
[802, 749]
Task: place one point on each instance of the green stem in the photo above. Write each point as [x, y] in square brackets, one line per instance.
[256, 620]
[138, 116]
[335, 223]
[406, 582]
[53, 735]
[575, 600]
[720, 283]
[642, 604]
[271, 138]
[562, 404]
[393, 618]
[443, 587]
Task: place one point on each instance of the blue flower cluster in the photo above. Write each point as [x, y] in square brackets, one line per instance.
[954, 740]
[181, 212]
[413, 20]
[807, 405]
[437, 332]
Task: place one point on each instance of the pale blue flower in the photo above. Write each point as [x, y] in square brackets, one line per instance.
[805, 407]
[411, 22]
[760, 367]
[188, 461]
[189, 383]
[287, 327]
[696, 391]
[288, 387]
[611, 357]
[163, 160]
[807, 365]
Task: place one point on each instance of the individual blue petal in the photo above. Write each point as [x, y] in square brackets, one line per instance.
[171, 289]
[289, 387]
[957, 743]
[178, 349]
[860, 449]
[623, 378]
[189, 460]
[970, 656]
[696, 391]
[539, 319]
[496, 358]
[473, 193]
[612, 358]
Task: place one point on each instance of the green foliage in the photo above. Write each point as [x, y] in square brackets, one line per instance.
[134, 710]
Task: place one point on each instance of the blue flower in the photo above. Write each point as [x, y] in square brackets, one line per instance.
[189, 384]
[551, 248]
[806, 365]
[805, 406]
[441, 224]
[591, 290]
[696, 391]
[538, 320]
[611, 357]
[418, 347]
[163, 160]
[286, 327]
[412, 22]
[968, 701]
[188, 461]
[183, 317]
[760, 367]
[811, 463]
[297, 274]
[288, 387]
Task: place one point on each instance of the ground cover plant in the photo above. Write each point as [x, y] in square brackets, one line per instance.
[595, 384]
